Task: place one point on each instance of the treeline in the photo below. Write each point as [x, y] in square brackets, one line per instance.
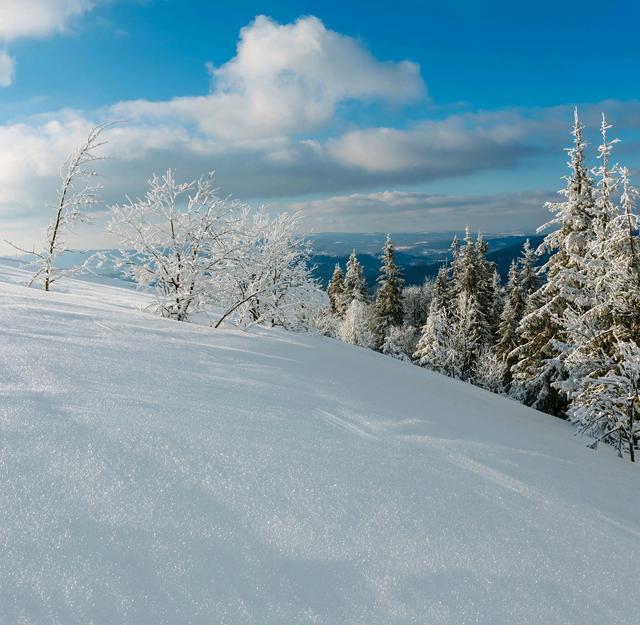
[561, 337]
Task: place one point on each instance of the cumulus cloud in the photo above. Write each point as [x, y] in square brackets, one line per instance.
[284, 79]
[37, 18]
[403, 211]
[7, 69]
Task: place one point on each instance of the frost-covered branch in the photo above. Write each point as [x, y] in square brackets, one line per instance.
[76, 195]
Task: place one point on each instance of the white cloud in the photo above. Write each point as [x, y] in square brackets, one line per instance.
[21, 19]
[36, 18]
[7, 69]
[285, 78]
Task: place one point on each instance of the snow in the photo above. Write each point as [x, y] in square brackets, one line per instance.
[155, 472]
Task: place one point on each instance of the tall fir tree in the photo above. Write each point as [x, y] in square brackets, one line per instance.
[605, 361]
[588, 320]
[475, 277]
[466, 337]
[539, 358]
[511, 314]
[355, 284]
[434, 349]
[388, 303]
[336, 292]
[529, 280]
[495, 304]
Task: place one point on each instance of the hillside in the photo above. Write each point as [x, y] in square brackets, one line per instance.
[163, 473]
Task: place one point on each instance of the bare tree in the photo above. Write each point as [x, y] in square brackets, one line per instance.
[76, 195]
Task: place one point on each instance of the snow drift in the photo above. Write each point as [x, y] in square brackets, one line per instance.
[153, 472]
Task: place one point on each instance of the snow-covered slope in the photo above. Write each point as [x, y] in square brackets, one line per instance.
[153, 472]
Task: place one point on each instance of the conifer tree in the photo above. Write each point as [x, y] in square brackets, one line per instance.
[336, 292]
[588, 320]
[605, 360]
[434, 349]
[355, 285]
[474, 275]
[511, 313]
[465, 336]
[415, 303]
[388, 304]
[529, 280]
[539, 358]
[607, 406]
[495, 304]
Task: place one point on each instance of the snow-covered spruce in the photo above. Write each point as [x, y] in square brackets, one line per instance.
[388, 301]
[540, 356]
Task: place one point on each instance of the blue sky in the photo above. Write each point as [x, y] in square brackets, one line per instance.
[393, 116]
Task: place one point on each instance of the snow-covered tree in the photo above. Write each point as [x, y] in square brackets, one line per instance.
[355, 285]
[326, 323]
[607, 405]
[415, 303]
[604, 337]
[433, 348]
[465, 336]
[270, 280]
[388, 302]
[511, 314]
[178, 240]
[400, 342]
[76, 195]
[540, 356]
[529, 279]
[474, 275]
[357, 326]
[490, 370]
[336, 292]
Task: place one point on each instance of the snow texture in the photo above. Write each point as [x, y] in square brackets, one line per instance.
[155, 472]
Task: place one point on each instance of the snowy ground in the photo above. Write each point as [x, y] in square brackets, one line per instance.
[155, 473]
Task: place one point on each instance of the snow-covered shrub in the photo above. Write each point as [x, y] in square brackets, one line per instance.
[400, 342]
[326, 323]
[490, 370]
[356, 327]
[270, 281]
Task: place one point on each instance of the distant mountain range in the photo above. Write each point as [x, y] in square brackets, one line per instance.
[419, 255]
